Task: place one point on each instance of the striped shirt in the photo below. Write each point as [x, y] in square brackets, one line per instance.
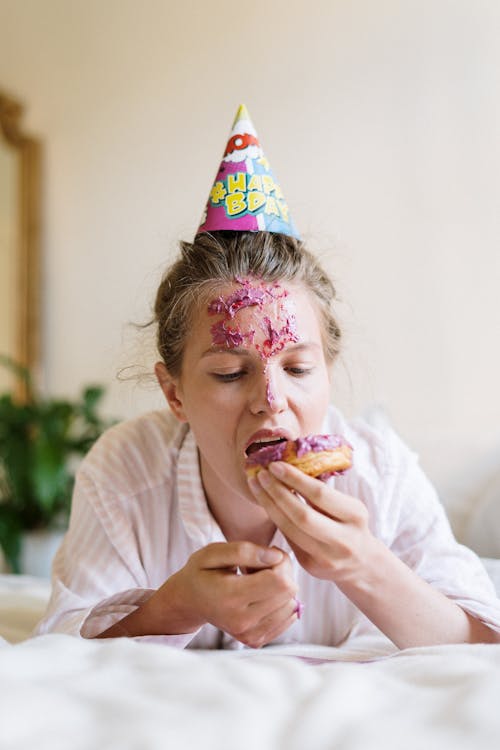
[139, 511]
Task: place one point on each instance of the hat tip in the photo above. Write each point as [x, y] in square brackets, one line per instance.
[241, 114]
[245, 196]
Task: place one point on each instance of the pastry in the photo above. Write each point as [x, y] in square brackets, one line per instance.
[319, 456]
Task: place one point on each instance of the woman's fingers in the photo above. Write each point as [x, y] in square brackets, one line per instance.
[234, 555]
[324, 498]
[272, 586]
[296, 520]
[270, 623]
[327, 530]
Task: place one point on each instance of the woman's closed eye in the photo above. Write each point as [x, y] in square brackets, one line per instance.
[299, 371]
[228, 377]
[296, 371]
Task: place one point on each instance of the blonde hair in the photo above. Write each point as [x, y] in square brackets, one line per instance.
[221, 257]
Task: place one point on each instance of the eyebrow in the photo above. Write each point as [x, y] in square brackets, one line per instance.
[303, 345]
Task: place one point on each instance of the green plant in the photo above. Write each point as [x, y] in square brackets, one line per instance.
[40, 440]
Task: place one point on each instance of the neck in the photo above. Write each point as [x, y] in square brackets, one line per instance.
[261, 532]
[239, 518]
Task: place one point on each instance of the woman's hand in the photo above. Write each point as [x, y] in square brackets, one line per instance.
[254, 608]
[331, 539]
[328, 533]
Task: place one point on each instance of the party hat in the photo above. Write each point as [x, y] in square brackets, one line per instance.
[245, 197]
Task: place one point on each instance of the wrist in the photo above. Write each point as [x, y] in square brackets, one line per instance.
[171, 609]
[365, 579]
[164, 613]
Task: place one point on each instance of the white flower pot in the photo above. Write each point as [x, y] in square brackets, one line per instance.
[38, 549]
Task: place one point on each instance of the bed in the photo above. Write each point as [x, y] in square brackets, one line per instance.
[68, 693]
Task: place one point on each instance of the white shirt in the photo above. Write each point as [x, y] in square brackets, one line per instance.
[139, 511]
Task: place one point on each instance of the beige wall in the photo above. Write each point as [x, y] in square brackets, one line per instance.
[380, 119]
[8, 243]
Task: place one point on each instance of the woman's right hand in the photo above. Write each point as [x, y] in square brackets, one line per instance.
[254, 608]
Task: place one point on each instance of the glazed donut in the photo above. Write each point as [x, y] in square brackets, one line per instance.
[319, 456]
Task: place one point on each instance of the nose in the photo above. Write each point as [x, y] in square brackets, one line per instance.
[268, 395]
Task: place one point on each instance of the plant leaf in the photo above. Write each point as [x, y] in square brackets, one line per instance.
[10, 536]
[20, 371]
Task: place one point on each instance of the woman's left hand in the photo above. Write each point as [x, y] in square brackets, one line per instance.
[329, 533]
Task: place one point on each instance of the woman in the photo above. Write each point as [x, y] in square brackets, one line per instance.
[169, 540]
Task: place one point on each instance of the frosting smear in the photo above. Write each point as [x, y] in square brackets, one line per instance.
[269, 327]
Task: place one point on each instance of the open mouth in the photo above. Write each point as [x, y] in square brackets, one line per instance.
[261, 445]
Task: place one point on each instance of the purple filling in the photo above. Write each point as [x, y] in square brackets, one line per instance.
[266, 455]
[309, 444]
[317, 443]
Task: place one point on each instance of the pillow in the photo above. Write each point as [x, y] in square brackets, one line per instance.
[492, 566]
[482, 531]
[23, 600]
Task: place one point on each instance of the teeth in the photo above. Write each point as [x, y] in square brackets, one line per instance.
[265, 441]
[258, 444]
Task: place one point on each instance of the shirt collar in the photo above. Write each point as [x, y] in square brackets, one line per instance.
[195, 514]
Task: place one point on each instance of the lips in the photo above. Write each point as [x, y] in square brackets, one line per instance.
[266, 439]
[262, 445]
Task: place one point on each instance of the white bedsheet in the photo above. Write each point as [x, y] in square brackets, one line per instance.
[63, 693]
[59, 692]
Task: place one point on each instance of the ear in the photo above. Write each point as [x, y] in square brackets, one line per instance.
[171, 390]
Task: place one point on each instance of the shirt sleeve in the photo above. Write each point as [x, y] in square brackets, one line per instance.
[417, 530]
[96, 580]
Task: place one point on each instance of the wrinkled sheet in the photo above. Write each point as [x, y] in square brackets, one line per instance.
[59, 692]
[64, 693]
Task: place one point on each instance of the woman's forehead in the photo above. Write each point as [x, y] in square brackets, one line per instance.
[251, 312]
[248, 291]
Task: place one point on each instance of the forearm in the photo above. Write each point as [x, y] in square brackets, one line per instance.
[407, 609]
[162, 614]
[254, 609]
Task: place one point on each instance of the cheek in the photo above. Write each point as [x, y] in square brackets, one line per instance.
[315, 395]
[213, 402]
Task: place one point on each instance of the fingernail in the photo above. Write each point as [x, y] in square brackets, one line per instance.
[270, 556]
[277, 469]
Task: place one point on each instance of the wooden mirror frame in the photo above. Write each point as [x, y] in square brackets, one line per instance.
[28, 221]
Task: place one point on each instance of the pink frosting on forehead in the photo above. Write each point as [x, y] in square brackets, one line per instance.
[278, 332]
[247, 296]
[276, 339]
[231, 338]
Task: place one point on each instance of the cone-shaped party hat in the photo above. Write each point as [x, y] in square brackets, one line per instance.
[245, 197]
